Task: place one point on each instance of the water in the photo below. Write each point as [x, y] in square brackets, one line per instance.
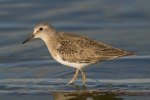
[29, 72]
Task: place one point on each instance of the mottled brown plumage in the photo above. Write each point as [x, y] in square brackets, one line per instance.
[75, 50]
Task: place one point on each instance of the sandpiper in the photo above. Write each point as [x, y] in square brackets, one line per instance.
[74, 50]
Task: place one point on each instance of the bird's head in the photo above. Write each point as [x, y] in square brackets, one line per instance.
[42, 30]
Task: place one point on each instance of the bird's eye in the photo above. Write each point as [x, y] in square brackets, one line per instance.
[40, 29]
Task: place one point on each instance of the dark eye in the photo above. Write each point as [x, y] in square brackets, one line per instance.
[40, 29]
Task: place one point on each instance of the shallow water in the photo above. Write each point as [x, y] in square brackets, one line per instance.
[28, 71]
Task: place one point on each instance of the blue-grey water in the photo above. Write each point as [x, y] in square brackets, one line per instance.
[29, 68]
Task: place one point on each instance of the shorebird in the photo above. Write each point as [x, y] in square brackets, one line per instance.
[74, 50]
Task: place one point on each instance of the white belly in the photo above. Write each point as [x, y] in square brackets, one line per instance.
[75, 65]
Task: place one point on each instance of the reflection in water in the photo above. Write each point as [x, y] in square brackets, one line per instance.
[78, 88]
[84, 95]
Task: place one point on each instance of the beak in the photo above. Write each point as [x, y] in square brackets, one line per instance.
[29, 38]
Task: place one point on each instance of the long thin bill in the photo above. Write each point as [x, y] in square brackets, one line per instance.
[29, 38]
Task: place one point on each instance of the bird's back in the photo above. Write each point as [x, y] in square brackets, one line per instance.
[76, 48]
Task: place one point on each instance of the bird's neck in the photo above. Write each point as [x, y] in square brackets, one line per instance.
[49, 37]
[50, 42]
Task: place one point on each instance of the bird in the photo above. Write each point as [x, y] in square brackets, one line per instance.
[75, 50]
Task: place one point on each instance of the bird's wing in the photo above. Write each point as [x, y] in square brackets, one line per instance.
[76, 48]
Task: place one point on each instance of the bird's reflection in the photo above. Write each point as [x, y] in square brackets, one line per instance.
[81, 93]
[78, 87]
[76, 95]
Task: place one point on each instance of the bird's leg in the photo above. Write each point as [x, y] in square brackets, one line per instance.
[75, 76]
[83, 76]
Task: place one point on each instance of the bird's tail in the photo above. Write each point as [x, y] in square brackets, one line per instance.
[130, 53]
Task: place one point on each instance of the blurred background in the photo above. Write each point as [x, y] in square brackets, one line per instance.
[123, 24]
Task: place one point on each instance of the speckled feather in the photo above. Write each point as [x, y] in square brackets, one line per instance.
[81, 49]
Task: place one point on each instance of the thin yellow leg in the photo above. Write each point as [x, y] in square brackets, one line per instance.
[83, 76]
[75, 76]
